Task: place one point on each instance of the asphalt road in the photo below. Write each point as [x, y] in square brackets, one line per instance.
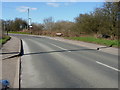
[48, 63]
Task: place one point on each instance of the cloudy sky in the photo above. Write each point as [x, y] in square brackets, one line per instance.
[41, 10]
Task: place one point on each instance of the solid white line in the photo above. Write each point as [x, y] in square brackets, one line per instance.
[21, 81]
[60, 47]
[107, 66]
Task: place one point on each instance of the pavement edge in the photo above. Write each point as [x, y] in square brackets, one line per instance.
[18, 67]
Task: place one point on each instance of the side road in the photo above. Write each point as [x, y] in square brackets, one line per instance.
[10, 64]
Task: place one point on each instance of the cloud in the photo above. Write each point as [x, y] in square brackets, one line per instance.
[25, 8]
[72, 0]
[33, 8]
[59, 0]
[67, 3]
[53, 4]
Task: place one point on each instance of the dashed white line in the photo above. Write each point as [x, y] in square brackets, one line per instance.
[60, 47]
[108, 66]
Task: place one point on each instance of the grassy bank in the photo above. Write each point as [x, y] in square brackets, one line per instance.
[101, 41]
[19, 32]
[89, 39]
[5, 39]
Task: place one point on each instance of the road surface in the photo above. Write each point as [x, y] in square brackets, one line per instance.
[48, 63]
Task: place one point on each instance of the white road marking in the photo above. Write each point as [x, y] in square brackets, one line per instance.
[21, 81]
[108, 66]
[60, 47]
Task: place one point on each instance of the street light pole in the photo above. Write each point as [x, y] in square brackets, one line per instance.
[29, 21]
[30, 25]
[28, 18]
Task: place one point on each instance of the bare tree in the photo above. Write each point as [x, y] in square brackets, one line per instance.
[48, 23]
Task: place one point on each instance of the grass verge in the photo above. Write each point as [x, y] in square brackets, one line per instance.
[5, 39]
[19, 32]
[101, 41]
[90, 39]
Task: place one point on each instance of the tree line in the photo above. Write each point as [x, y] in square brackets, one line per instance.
[102, 21]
